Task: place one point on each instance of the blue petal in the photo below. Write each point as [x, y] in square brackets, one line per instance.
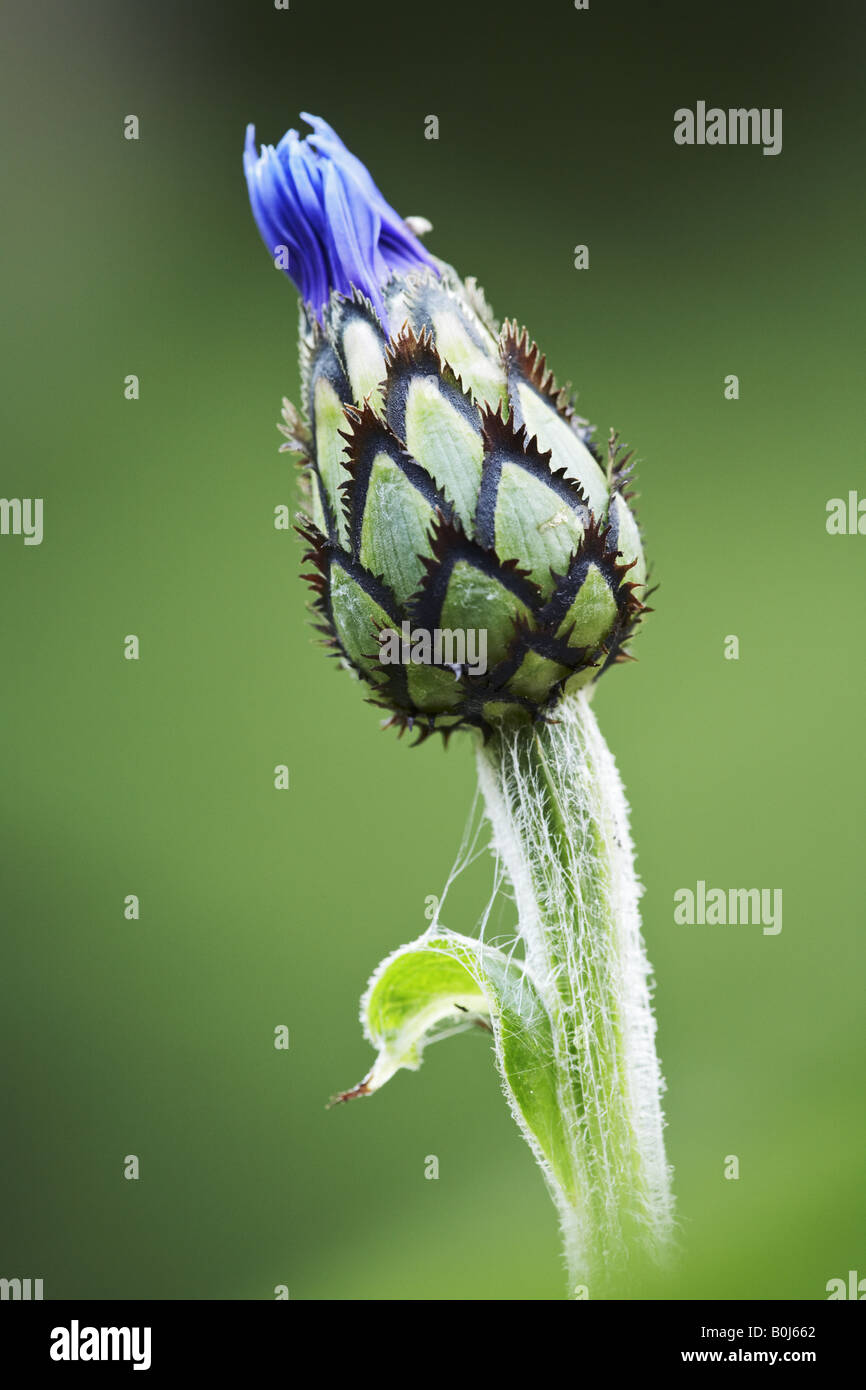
[315, 198]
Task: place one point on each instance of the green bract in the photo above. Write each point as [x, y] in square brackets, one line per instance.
[453, 490]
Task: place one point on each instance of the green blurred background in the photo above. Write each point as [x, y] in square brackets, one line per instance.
[155, 777]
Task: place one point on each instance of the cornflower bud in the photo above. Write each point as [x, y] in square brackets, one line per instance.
[474, 556]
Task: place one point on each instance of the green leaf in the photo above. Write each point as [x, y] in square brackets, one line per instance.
[444, 983]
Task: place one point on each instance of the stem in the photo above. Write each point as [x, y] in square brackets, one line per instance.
[560, 825]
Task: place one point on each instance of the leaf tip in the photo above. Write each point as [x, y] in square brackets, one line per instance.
[363, 1088]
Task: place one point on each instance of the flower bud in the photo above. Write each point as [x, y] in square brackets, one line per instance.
[474, 556]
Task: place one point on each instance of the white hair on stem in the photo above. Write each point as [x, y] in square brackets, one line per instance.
[560, 827]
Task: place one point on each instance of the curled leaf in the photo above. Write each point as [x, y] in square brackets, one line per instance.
[443, 984]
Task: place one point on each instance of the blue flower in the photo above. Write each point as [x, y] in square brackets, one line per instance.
[313, 197]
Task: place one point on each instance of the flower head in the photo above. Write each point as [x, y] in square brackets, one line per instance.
[312, 197]
[452, 491]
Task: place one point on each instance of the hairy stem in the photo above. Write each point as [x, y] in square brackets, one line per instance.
[560, 825]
